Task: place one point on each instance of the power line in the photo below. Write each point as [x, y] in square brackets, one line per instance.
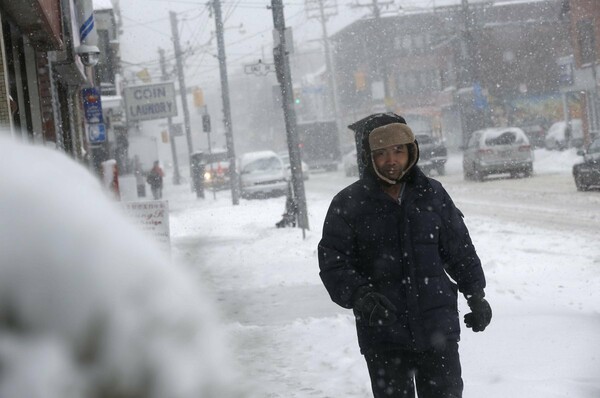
[147, 27]
[200, 51]
[139, 23]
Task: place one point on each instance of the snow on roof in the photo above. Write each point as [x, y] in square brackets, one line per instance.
[103, 5]
[316, 76]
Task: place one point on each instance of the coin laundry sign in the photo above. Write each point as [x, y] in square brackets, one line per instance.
[150, 101]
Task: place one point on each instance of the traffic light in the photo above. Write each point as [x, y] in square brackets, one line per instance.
[297, 96]
[165, 136]
[198, 97]
[360, 80]
[206, 123]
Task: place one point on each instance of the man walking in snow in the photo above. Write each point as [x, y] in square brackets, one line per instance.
[395, 249]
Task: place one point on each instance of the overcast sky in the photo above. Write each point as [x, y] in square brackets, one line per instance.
[248, 34]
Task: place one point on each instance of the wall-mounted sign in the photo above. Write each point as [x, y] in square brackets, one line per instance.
[565, 67]
[92, 105]
[96, 133]
[150, 101]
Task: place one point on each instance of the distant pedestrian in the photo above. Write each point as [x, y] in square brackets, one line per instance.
[396, 250]
[155, 179]
[138, 172]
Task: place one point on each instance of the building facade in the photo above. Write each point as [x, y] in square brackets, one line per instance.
[583, 70]
[455, 69]
[45, 62]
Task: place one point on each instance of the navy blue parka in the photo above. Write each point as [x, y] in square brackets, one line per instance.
[417, 253]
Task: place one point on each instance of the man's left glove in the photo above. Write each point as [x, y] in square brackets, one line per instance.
[481, 313]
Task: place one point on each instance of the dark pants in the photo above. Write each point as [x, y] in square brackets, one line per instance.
[436, 373]
[141, 191]
[156, 192]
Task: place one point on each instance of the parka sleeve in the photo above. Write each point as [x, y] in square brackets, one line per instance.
[337, 257]
[457, 250]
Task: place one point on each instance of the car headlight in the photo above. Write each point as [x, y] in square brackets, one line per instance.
[207, 176]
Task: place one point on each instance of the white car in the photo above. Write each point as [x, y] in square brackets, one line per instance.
[286, 162]
[496, 151]
[262, 175]
[350, 163]
[562, 136]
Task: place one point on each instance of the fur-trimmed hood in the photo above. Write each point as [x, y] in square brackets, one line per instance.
[363, 129]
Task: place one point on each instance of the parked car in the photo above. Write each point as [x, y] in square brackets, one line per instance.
[587, 173]
[536, 135]
[432, 154]
[497, 151]
[262, 175]
[288, 167]
[562, 135]
[350, 163]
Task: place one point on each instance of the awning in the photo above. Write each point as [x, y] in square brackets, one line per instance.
[40, 20]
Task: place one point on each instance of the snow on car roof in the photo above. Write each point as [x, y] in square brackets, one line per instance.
[495, 132]
[252, 156]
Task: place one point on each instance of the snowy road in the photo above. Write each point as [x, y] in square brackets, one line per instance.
[538, 240]
[548, 201]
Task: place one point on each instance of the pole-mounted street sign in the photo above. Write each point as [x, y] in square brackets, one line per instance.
[259, 69]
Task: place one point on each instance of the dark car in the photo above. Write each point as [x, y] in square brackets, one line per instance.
[536, 135]
[587, 174]
[432, 154]
[216, 171]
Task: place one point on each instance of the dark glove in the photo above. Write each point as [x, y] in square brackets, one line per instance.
[376, 308]
[481, 313]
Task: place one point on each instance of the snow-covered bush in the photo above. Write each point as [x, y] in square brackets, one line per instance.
[88, 305]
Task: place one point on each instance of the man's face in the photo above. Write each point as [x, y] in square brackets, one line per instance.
[391, 161]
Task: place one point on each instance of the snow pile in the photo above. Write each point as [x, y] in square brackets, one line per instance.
[550, 162]
[88, 306]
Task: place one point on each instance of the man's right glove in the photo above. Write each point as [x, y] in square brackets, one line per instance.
[376, 308]
[481, 314]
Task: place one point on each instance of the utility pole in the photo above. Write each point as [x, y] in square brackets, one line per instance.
[233, 177]
[165, 77]
[323, 15]
[382, 64]
[469, 66]
[472, 101]
[282, 68]
[182, 88]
